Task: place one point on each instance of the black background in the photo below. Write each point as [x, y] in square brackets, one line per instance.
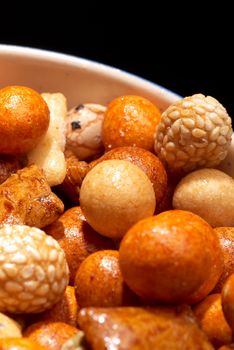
[182, 46]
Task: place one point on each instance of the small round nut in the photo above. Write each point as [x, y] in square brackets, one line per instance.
[33, 270]
[195, 132]
[83, 134]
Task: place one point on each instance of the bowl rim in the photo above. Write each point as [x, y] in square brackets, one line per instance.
[64, 59]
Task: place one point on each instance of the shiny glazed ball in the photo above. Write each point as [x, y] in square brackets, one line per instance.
[114, 195]
[130, 121]
[194, 132]
[33, 270]
[146, 161]
[226, 240]
[99, 282]
[211, 319]
[51, 335]
[228, 300]
[24, 119]
[77, 238]
[167, 257]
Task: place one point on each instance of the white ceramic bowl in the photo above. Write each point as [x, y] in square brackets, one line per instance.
[80, 80]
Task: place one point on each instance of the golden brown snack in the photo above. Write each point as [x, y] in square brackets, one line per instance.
[226, 240]
[215, 195]
[227, 347]
[26, 198]
[24, 119]
[51, 335]
[147, 161]
[169, 256]
[228, 300]
[9, 327]
[64, 311]
[76, 238]
[20, 344]
[76, 171]
[211, 319]
[114, 195]
[99, 282]
[130, 121]
[8, 166]
[132, 328]
[33, 270]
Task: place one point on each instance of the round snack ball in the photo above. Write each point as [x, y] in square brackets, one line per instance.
[99, 282]
[194, 132]
[33, 270]
[228, 300]
[77, 238]
[167, 257]
[9, 327]
[51, 335]
[226, 240]
[211, 319]
[24, 119]
[147, 161]
[130, 121]
[20, 344]
[114, 195]
[207, 193]
[84, 129]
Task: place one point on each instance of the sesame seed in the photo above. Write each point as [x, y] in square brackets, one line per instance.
[13, 287]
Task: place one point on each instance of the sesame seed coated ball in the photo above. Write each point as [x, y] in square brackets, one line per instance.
[33, 270]
[195, 132]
